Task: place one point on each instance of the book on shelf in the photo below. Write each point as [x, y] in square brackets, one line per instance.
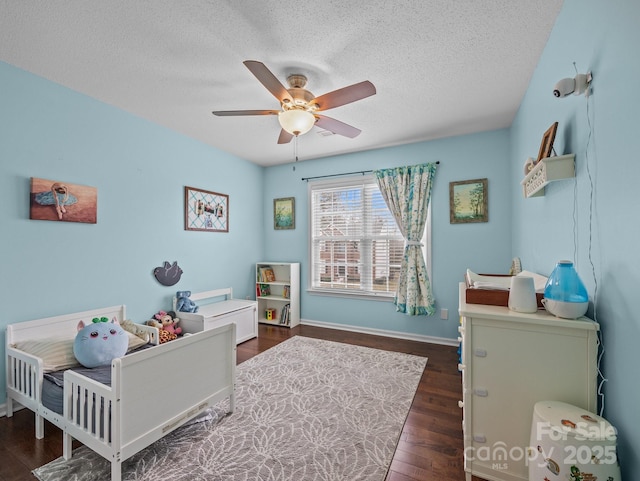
[286, 291]
[284, 315]
[266, 274]
[263, 290]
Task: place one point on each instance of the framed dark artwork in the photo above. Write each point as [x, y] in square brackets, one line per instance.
[63, 201]
[546, 146]
[468, 201]
[284, 213]
[205, 210]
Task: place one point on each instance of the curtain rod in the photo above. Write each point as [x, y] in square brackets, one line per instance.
[345, 173]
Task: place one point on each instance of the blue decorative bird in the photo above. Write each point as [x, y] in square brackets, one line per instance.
[168, 274]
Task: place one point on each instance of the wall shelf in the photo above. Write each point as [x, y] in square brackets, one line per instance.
[548, 170]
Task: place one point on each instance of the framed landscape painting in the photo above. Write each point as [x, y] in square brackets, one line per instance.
[284, 213]
[468, 201]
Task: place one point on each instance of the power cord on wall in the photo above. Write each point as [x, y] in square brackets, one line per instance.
[593, 269]
[589, 248]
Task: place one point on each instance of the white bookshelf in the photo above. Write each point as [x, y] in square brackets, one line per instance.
[281, 293]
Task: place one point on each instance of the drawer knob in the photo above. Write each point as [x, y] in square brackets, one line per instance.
[480, 352]
[479, 438]
[480, 391]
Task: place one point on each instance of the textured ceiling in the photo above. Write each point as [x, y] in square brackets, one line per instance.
[440, 67]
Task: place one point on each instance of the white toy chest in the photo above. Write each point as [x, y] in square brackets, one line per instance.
[568, 443]
[244, 313]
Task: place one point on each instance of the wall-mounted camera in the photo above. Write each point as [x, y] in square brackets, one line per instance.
[577, 86]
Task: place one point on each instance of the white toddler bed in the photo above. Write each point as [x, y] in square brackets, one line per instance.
[152, 392]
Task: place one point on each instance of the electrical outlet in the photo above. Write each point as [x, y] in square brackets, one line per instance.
[444, 314]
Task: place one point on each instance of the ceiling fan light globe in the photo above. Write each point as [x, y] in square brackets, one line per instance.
[296, 122]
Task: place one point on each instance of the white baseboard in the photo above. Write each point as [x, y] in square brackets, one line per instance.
[382, 332]
[3, 408]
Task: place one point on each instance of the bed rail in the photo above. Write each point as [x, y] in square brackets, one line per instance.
[23, 375]
[24, 384]
[88, 407]
[57, 325]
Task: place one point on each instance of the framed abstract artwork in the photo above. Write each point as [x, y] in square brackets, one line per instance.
[205, 210]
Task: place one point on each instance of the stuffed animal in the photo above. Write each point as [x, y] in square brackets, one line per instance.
[163, 336]
[168, 321]
[135, 329]
[154, 323]
[99, 342]
[184, 304]
[166, 336]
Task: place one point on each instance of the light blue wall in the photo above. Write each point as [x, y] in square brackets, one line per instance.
[483, 247]
[602, 37]
[140, 170]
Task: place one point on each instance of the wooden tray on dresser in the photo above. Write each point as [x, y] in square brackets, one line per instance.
[492, 297]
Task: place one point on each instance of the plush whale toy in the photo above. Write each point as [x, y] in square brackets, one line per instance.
[99, 342]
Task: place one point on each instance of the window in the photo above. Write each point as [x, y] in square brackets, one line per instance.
[356, 247]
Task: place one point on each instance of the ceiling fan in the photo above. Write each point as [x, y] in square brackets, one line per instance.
[299, 107]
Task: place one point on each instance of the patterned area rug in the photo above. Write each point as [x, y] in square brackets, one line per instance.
[306, 410]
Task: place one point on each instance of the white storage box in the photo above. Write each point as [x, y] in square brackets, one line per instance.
[209, 316]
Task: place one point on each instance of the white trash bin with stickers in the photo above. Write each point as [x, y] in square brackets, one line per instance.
[570, 443]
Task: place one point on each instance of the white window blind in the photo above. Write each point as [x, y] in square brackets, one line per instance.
[356, 247]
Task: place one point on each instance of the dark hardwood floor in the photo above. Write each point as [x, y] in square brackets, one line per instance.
[430, 446]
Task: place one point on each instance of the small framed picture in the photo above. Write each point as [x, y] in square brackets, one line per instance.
[205, 210]
[546, 146]
[468, 201]
[284, 213]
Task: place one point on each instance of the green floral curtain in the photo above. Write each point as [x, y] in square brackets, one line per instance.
[407, 191]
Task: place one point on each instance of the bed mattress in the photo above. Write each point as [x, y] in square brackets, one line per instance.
[53, 382]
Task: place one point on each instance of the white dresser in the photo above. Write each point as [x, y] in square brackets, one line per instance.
[509, 362]
[244, 313]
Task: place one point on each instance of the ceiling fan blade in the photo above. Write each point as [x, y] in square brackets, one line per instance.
[345, 95]
[228, 113]
[336, 126]
[285, 137]
[266, 78]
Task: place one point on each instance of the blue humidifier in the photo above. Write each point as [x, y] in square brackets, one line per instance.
[565, 295]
